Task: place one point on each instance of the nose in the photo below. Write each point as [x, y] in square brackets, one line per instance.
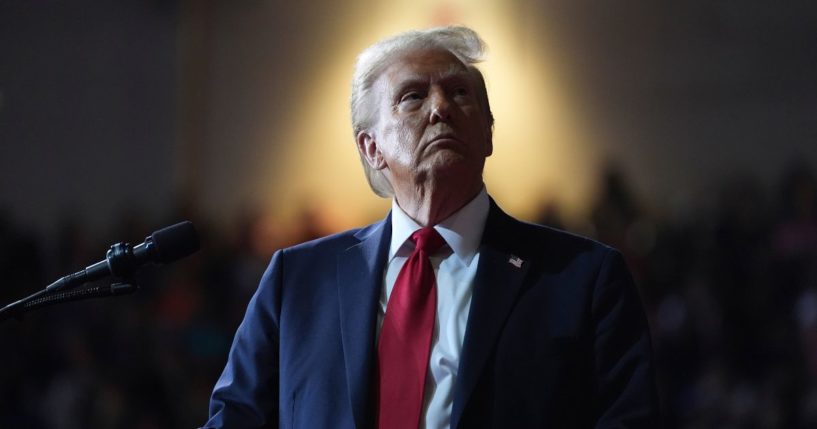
[440, 107]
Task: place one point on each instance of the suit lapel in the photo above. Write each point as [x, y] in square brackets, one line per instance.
[499, 277]
[360, 270]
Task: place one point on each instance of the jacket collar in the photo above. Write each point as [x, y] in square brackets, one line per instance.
[502, 269]
[359, 277]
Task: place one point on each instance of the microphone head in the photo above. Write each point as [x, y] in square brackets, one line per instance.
[175, 242]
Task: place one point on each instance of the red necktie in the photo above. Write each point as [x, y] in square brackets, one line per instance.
[405, 337]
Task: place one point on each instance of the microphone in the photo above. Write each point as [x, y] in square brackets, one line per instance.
[122, 260]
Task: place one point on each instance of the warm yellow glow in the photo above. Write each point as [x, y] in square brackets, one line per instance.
[539, 150]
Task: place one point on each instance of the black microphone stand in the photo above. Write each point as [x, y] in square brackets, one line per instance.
[45, 298]
[120, 262]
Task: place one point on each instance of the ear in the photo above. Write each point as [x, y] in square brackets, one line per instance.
[367, 146]
[489, 138]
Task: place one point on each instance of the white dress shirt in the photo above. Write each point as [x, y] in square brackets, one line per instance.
[455, 266]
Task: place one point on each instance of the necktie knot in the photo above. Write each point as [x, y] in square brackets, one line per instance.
[427, 240]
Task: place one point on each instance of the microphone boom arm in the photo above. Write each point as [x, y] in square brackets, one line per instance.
[43, 298]
[121, 261]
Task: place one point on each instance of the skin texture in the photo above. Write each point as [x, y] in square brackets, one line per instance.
[431, 135]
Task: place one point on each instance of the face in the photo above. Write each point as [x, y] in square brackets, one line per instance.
[429, 125]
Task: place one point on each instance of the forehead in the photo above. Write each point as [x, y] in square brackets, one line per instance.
[423, 65]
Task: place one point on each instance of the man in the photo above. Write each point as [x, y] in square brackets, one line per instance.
[448, 313]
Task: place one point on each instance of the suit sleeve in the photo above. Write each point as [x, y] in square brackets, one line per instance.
[625, 395]
[246, 394]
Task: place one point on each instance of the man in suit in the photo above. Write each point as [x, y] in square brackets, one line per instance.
[449, 312]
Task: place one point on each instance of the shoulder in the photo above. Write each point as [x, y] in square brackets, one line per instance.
[334, 243]
[549, 244]
[313, 261]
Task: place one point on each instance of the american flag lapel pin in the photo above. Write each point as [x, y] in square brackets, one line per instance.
[516, 261]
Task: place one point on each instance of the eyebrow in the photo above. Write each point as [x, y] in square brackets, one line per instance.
[453, 73]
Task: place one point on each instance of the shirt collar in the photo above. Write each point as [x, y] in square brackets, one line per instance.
[462, 231]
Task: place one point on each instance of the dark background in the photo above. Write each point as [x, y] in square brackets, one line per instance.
[117, 118]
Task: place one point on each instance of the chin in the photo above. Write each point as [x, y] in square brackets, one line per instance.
[447, 160]
[455, 169]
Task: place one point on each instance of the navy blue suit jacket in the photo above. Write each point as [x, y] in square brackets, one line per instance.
[559, 342]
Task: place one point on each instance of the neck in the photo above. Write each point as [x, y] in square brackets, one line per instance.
[430, 206]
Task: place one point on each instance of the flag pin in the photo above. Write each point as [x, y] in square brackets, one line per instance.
[516, 261]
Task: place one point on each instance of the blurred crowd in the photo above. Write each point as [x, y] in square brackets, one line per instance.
[730, 288]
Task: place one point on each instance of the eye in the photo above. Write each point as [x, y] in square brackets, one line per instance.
[460, 91]
[411, 96]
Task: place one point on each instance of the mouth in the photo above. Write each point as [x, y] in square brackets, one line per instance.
[445, 140]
